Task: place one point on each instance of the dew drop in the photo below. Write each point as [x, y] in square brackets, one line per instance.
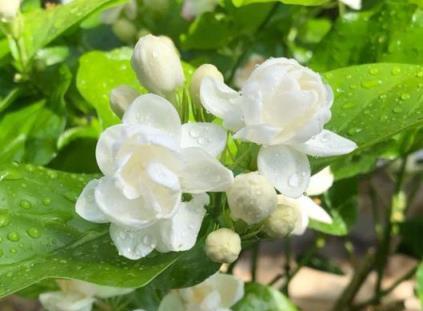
[194, 133]
[294, 181]
[25, 204]
[34, 233]
[371, 83]
[396, 71]
[405, 96]
[4, 220]
[52, 174]
[46, 201]
[13, 236]
[374, 71]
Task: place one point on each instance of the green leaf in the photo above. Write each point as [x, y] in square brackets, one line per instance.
[43, 238]
[209, 31]
[390, 32]
[373, 103]
[419, 276]
[263, 298]
[296, 2]
[30, 133]
[341, 203]
[99, 73]
[43, 26]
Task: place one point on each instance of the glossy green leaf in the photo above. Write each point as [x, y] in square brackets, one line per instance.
[296, 2]
[43, 26]
[341, 203]
[265, 298]
[99, 73]
[30, 133]
[42, 238]
[373, 103]
[390, 32]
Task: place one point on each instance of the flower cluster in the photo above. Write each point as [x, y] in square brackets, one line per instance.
[159, 173]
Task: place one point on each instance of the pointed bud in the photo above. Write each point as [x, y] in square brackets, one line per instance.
[157, 65]
[223, 246]
[206, 70]
[121, 97]
[251, 198]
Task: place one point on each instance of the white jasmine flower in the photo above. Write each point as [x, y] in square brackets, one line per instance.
[320, 182]
[9, 9]
[217, 293]
[157, 65]
[194, 8]
[223, 246]
[251, 198]
[354, 4]
[206, 70]
[78, 295]
[121, 97]
[283, 106]
[148, 162]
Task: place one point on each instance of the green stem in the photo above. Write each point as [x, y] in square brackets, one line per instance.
[359, 277]
[376, 298]
[385, 245]
[254, 261]
[287, 267]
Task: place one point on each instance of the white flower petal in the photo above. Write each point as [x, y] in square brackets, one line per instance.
[137, 213]
[222, 101]
[59, 301]
[325, 144]
[208, 136]
[259, 134]
[287, 169]
[313, 210]
[154, 111]
[230, 288]
[203, 173]
[179, 233]
[108, 146]
[320, 182]
[133, 243]
[172, 302]
[86, 206]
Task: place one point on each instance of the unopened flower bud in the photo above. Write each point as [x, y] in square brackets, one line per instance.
[9, 9]
[223, 246]
[251, 198]
[281, 222]
[206, 70]
[121, 97]
[157, 65]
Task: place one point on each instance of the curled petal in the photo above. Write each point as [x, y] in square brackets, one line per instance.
[179, 233]
[133, 243]
[207, 136]
[87, 207]
[108, 146]
[154, 111]
[259, 134]
[203, 173]
[313, 210]
[320, 182]
[137, 213]
[326, 144]
[222, 101]
[287, 169]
